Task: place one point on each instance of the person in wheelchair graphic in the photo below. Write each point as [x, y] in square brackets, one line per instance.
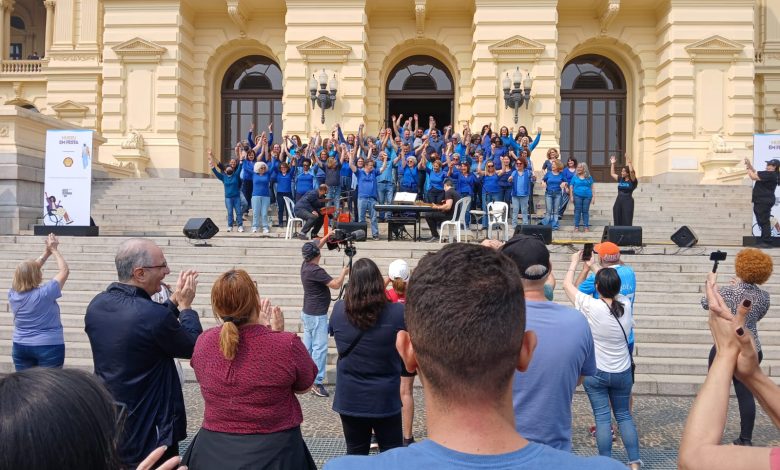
[55, 213]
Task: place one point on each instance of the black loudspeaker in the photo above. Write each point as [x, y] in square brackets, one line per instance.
[350, 227]
[201, 228]
[684, 237]
[542, 232]
[623, 235]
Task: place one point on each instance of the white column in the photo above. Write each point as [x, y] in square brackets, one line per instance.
[49, 4]
[6, 30]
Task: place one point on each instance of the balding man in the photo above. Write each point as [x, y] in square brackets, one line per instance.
[134, 342]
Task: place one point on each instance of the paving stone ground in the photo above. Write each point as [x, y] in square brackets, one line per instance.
[660, 421]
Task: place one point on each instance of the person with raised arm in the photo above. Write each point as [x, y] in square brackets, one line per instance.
[623, 209]
[700, 446]
[232, 184]
[38, 337]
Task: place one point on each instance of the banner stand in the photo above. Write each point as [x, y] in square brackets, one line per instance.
[67, 230]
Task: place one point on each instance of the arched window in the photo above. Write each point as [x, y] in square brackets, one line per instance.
[421, 84]
[251, 93]
[593, 113]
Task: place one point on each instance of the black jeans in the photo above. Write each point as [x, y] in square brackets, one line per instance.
[310, 221]
[745, 401]
[434, 220]
[357, 433]
[763, 210]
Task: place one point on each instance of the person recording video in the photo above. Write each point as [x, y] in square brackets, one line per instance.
[316, 301]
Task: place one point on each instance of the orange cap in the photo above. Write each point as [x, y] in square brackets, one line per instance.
[607, 248]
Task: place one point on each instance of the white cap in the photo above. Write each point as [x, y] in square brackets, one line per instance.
[399, 269]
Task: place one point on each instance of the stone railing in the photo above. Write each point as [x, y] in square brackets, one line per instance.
[21, 66]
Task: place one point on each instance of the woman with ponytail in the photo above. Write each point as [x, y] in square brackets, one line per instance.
[249, 370]
[610, 318]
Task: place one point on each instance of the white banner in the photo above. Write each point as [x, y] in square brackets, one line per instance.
[767, 147]
[68, 184]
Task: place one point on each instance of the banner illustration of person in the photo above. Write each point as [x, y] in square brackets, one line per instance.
[68, 185]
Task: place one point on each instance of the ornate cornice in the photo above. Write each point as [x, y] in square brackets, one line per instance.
[714, 49]
[324, 49]
[419, 16]
[139, 50]
[516, 48]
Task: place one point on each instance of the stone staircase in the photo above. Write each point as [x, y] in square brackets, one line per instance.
[672, 339]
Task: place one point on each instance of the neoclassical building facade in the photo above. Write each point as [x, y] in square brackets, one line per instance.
[679, 86]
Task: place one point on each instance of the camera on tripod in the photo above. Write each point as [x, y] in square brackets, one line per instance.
[346, 239]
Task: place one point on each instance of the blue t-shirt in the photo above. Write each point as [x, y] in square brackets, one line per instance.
[435, 179]
[582, 187]
[542, 395]
[490, 183]
[37, 315]
[367, 380]
[366, 183]
[553, 182]
[627, 287]
[568, 174]
[261, 184]
[283, 182]
[428, 454]
[305, 181]
[231, 182]
[464, 184]
[387, 175]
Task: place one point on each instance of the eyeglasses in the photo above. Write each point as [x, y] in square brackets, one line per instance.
[164, 265]
[491, 166]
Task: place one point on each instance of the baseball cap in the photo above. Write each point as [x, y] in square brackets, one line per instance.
[399, 269]
[527, 251]
[608, 251]
[310, 250]
[775, 162]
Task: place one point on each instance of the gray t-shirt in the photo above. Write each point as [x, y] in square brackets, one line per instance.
[316, 293]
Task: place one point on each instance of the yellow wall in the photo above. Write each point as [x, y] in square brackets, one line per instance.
[167, 87]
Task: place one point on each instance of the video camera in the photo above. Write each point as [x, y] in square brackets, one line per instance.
[347, 239]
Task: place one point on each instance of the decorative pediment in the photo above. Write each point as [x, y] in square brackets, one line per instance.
[516, 48]
[324, 49]
[714, 49]
[70, 109]
[139, 50]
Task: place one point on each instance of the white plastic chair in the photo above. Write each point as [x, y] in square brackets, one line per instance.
[458, 221]
[291, 219]
[498, 214]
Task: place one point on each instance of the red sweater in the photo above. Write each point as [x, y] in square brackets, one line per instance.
[255, 392]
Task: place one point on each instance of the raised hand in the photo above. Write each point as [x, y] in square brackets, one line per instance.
[612, 159]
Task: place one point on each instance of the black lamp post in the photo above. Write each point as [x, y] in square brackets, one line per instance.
[323, 98]
[514, 97]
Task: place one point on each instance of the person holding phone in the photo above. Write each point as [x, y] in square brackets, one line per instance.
[753, 267]
[763, 198]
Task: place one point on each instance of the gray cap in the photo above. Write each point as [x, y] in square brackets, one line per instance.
[310, 250]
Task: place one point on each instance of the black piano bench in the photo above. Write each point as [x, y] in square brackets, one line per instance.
[397, 225]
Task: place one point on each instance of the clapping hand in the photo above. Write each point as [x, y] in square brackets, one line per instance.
[151, 459]
[52, 243]
[186, 286]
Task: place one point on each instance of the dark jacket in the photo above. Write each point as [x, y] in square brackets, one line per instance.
[311, 201]
[134, 341]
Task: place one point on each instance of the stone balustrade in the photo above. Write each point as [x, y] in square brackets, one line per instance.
[21, 66]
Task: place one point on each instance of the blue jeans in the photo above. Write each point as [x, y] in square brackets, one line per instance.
[385, 192]
[334, 194]
[367, 204]
[260, 206]
[233, 205]
[244, 204]
[315, 339]
[582, 211]
[553, 203]
[615, 388]
[519, 206]
[25, 357]
[487, 198]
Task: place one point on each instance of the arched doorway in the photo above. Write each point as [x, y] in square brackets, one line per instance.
[251, 92]
[423, 85]
[593, 113]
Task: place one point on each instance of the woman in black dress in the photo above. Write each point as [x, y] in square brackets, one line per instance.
[623, 210]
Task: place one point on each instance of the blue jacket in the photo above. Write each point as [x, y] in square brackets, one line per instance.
[134, 341]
